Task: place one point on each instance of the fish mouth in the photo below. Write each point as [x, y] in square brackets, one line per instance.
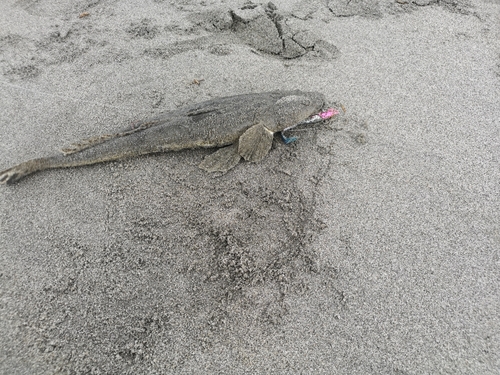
[321, 116]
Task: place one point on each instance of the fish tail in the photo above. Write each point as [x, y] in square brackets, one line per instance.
[19, 171]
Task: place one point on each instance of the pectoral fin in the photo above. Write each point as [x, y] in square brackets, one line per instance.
[255, 143]
[221, 160]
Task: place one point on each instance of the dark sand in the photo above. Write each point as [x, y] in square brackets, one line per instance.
[369, 246]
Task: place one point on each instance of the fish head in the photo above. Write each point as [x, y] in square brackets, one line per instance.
[296, 107]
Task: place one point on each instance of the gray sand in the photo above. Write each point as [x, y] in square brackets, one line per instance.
[369, 246]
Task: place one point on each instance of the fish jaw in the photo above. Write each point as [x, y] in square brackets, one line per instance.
[323, 115]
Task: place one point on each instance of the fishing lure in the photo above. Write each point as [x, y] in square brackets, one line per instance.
[325, 115]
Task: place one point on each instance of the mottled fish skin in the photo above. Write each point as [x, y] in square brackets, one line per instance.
[215, 123]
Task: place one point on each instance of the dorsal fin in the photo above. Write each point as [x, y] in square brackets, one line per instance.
[93, 141]
[86, 143]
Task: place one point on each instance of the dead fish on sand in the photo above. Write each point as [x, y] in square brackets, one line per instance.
[241, 126]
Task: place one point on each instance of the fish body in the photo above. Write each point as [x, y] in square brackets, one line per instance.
[241, 126]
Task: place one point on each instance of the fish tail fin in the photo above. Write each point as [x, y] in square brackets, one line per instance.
[19, 171]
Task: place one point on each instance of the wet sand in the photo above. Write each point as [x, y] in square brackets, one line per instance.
[370, 245]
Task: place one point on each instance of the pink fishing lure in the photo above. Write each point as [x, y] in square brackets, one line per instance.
[325, 115]
[330, 112]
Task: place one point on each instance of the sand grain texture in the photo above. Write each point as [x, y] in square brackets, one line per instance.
[370, 245]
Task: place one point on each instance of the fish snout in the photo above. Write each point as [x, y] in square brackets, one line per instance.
[294, 109]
